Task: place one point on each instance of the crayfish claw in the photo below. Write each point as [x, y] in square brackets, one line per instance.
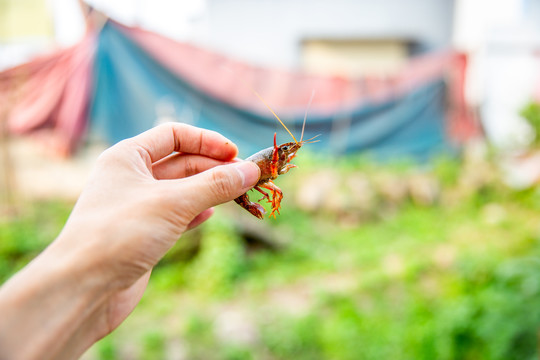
[287, 168]
[255, 209]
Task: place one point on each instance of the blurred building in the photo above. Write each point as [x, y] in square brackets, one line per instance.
[26, 28]
[347, 37]
[361, 37]
[502, 40]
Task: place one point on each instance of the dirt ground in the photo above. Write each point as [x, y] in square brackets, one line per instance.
[35, 173]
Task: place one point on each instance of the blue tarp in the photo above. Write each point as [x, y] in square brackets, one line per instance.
[132, 90]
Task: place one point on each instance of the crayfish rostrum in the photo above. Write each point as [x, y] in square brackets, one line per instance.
[273, 161]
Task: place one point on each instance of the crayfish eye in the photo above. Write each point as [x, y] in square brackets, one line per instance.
[285, 148]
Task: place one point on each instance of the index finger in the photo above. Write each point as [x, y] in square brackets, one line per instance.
[167, 138]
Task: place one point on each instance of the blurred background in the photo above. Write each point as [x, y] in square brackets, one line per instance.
[410, 231]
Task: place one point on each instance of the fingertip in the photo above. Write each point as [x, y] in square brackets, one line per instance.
[232, 149]
[219, 147]
[249, 172]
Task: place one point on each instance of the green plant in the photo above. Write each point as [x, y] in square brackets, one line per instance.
[153, 344]
[444, 281]
[531, 113]
[107, 349]
[24, 237]
[221, 259]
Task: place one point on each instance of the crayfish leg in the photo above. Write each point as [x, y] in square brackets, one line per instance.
[265, 194]
[277, 195]
[255, 209]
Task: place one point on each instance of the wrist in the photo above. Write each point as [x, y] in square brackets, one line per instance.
[77, 248]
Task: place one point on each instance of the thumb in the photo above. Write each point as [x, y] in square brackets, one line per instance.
[218, 185]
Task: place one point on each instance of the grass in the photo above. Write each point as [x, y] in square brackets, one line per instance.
[454, 280]
[24, 237]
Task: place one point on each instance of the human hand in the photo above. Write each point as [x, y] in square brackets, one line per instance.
[140, 198]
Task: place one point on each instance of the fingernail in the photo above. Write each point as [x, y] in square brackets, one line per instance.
[249, 172]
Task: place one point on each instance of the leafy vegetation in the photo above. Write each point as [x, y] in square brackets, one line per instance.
[453, 279]
[531, 113]
[25, 236]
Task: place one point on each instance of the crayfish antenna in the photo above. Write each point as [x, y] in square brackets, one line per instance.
[277, 117]
[305, 115]
[265, 103]
[309, 141]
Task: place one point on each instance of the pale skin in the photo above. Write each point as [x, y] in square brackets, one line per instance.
[138, 201]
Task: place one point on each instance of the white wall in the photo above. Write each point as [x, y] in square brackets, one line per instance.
[504, 69]
[268, 32]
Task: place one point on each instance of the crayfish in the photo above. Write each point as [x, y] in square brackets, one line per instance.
[273, 161]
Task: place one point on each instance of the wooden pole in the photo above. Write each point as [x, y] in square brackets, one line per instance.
[7, 178]
[7, 175]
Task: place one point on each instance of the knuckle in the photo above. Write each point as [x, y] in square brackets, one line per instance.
[106, 155]
[190, 168]
[118, 147]
[171, 125]
[112, 154]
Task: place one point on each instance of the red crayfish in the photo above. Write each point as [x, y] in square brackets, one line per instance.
[273, 161]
